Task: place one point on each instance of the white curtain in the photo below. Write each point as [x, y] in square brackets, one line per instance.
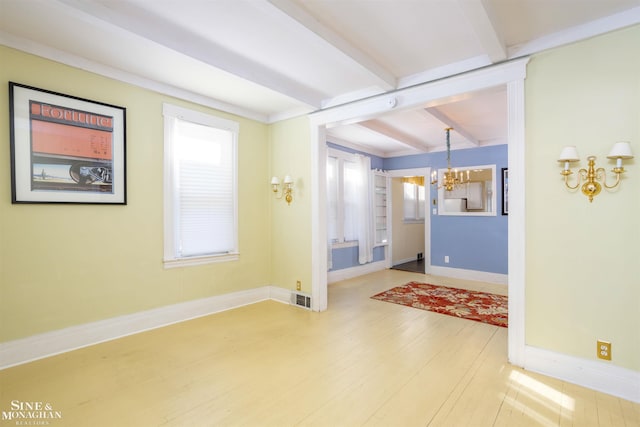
[363, 208]
[332, 207]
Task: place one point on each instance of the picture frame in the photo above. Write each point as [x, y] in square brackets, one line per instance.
[505, 191]
[65, 149]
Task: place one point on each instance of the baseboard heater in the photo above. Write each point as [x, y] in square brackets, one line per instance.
[300, 299]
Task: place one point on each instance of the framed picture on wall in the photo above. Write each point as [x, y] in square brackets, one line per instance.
[65, 149]
[505, 191]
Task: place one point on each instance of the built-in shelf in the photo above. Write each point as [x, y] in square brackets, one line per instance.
[381, 190]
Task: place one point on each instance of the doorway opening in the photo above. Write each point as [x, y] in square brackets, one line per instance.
[510, 74]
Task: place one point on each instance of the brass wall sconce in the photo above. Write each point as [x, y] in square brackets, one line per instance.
[286, 190]
[593, 179]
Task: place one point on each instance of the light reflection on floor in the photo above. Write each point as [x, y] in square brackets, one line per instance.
[539, 395]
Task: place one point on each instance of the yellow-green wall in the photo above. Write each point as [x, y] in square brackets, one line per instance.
[64, 265]
[291, 224]
[582, 259]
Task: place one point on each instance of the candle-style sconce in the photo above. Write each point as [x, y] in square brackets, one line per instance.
[593, 179]
[286, 190]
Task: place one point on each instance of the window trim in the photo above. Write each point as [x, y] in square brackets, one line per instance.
[170, 259]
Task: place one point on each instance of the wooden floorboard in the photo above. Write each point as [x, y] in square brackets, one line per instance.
[363, 362]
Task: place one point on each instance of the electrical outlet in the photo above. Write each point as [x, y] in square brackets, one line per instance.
[604, 350]
[298, 285]
[446, 259]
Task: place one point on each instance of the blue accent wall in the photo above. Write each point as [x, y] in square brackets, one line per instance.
[348, 257]
[471, 242]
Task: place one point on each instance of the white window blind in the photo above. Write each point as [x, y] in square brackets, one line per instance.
[414, 199]
[200, 185]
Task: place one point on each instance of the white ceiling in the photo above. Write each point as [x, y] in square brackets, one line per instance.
[273, 59]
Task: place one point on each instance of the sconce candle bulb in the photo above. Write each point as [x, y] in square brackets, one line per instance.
[275, 182]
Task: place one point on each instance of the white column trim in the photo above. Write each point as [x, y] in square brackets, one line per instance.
[516, 222]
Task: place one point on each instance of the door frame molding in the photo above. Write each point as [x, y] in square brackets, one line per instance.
[512, 74]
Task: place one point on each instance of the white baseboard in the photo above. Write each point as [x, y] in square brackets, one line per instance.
[351, 272]
[606, 378]
[599, 376]
[36, 347]
[459, 273]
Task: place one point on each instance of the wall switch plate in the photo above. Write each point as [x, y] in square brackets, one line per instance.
[604, 350]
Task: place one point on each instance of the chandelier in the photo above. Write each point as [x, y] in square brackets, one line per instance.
[451, 178]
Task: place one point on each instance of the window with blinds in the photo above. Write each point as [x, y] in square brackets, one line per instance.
[200, 187]
[414, 195]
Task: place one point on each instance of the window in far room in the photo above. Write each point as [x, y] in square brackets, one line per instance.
[349, 204]
[414, 194]
[200, 188]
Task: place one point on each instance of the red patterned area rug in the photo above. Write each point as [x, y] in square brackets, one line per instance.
[472, 305]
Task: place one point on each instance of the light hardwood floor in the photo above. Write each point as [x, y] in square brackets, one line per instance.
[361, 363]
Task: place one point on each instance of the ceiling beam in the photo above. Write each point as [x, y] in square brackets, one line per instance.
[385, 80]
[395, 134]
[355, 146]
[594, 28]
[138, 22]
[478, 15]
[448, 122]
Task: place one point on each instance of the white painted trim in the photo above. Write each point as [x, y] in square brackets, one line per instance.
[444, 71]
[193, 46]
[399, 173]
[383, 77]
[603, 377]
[280, 294]
[172, 114]
[348, 144]
[428, 94]
[345, 244]
[512, 74]
[319, 235]
[351, 272]
[494, 191]
[48, 344]
[590, 29]
[490, 39]
[516, 220]
[66, 58]
[460, 273]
